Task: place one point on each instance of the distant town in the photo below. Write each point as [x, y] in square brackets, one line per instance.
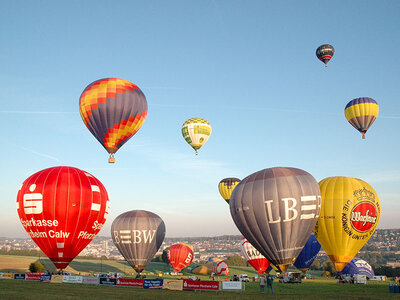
[383, 241]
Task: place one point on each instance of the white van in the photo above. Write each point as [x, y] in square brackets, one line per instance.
[244, 278]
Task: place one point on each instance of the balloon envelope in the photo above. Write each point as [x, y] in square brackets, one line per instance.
[254, 257]
[62, 209]
[196, 132]
[308, 254]
[113, 110]
[325, 53]
[361, 113]
[226, 187]
[221, 268]
[276, 210]
[358, 266]
[180, 256]
[350, 213]
[138, 234]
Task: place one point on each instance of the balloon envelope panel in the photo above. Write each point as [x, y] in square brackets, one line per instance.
[138, 234]
[358, 266]
[62, 209]
[308, 254]
[349, 216]
[276, 210]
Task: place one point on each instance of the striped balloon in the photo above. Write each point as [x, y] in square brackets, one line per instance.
[113, 110]
[196, 132]
[361, 113]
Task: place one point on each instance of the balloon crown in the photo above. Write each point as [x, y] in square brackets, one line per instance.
[364, 194]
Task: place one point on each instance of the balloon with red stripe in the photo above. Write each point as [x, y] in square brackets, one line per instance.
[180, 256]
[113, 110]
[254, 257]
[325, 53]
[62, 209]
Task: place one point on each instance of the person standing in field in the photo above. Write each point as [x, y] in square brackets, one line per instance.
[270, 282]
[262, 281]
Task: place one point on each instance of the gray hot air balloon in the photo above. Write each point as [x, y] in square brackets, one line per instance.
[138, 234]
[276, 210]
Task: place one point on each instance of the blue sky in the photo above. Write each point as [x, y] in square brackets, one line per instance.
[248, 67]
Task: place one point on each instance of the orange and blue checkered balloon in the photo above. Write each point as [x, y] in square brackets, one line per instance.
[113, 110]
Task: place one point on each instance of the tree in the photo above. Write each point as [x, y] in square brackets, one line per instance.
[316, 265]
[328, 267]
[164, 256]
[36, 267]
[235, 260]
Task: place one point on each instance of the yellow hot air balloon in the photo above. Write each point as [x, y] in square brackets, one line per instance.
[226, 187]
[196, 132]
[350, 212]
[361, 113]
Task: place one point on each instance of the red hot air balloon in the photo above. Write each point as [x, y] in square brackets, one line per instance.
[62, 209]
[254, 257]
[180, 256]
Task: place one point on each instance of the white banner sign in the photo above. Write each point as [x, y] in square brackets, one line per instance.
[90, 280]
[231, 285]
[72, 279]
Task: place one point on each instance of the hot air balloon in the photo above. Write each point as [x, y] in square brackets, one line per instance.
[196, 132]
[361, 113]
[349, 216]
[276, 210]
[221, 268]
[138, 234]
[113, 110]
[206, 269]
[226, 187]
[358, 266]
[254, 257]
[325, 53]
[308, 254]
[62, 209]
[180, 256]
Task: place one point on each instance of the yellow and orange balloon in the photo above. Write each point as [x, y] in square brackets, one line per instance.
[350, 213]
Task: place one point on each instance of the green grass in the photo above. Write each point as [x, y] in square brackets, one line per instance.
[311, 289]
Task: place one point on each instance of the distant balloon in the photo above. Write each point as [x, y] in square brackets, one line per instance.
[361, 113]
[254, 257]
[358, 266]
[325, 53]
[276, 210]
[226, 187]
[221, 268]
[113, 110]
[196, 132]
[180, 256]
[308, 254]
[349, 216]
[138, 234]
[206, 269]
[62, 209]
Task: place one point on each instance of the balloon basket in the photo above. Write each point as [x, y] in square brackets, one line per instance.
[111, 160]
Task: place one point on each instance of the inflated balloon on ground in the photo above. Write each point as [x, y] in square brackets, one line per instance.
[349, 215]
[276, 210]
[180, 256]
[308, 254]
[254, 257]
[138, 234]
[62, 209]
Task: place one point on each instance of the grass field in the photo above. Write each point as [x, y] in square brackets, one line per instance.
[309, 289]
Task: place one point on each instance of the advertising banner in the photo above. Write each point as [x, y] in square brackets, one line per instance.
[45, 278]
[173, 284]
[57, 278]
[19, 276]
[152, 283]
[8, 276]
[232, 285]
[33, 276]
[130, 282]
[72, 279]
[200, 285]
[90, 280]
[108, 281]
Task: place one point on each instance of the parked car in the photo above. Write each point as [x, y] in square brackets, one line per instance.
[244, 277]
